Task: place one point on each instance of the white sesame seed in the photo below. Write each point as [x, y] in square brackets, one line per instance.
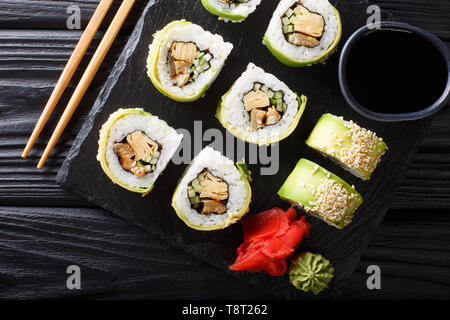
[333, 201]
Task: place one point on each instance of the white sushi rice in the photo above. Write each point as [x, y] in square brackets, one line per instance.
[277, 39]
[221, 167]
[239, 119]
[242, 9]
[157, 130]
[204, 40]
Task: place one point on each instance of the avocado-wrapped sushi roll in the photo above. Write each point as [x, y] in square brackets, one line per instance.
[321, 193]
[304, 32]
[259, 108]
[231, 10]
[184, 60]
[354, 148]
[213, 192]
[135, 147]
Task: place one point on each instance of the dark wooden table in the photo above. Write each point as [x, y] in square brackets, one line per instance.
[44, 228]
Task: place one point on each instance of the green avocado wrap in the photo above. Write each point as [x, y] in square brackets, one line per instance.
[213, 192]
[302, 33]
[321, 193]
[135, 147]
[354, 148]
[184, 60]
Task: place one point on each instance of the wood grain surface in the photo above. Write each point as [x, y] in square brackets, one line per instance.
[53, 228]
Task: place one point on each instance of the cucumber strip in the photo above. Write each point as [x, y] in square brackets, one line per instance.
[279, 95]
[291, 37]
[207, 57]
[142, 163]
[289, 12]
[196, 185]
[200, 54]
[288, 29]
[191, 193]
[297, 10]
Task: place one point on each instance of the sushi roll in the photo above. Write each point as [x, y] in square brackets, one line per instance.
[355, 149]
[135, 147]
[304, 32]
[231, 10]
[321, 193]
[259, 108]
[184, 60]
[213, 192]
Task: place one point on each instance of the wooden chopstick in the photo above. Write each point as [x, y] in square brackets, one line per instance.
[87, 77]
[68, 71]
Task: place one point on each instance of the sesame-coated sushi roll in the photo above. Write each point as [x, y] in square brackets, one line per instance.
[135, 147]
[259, 108]
[303, 32]
[321, 193]
[184, 60]
[231, 10]
[354, 148]
[213, 192]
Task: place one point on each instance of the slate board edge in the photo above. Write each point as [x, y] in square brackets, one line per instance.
[105, 91]
[103, 95]
[86, 128]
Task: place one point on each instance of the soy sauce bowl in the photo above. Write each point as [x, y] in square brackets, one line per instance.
[389, 117]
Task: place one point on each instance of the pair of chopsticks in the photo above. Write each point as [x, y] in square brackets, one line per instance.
[87, 77]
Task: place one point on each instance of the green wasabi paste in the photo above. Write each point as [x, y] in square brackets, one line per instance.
[310, 272]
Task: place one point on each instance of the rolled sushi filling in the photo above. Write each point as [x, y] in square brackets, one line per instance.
[208, 194]
[187, 62]
[264, 106]
[184, 60]
[302, 27]
[137, 153]
[304, 32]
[259, 108]
[213, 192]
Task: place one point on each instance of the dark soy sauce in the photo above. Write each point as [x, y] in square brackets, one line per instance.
[392, 71]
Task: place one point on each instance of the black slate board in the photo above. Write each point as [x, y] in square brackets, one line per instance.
[128, 86]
